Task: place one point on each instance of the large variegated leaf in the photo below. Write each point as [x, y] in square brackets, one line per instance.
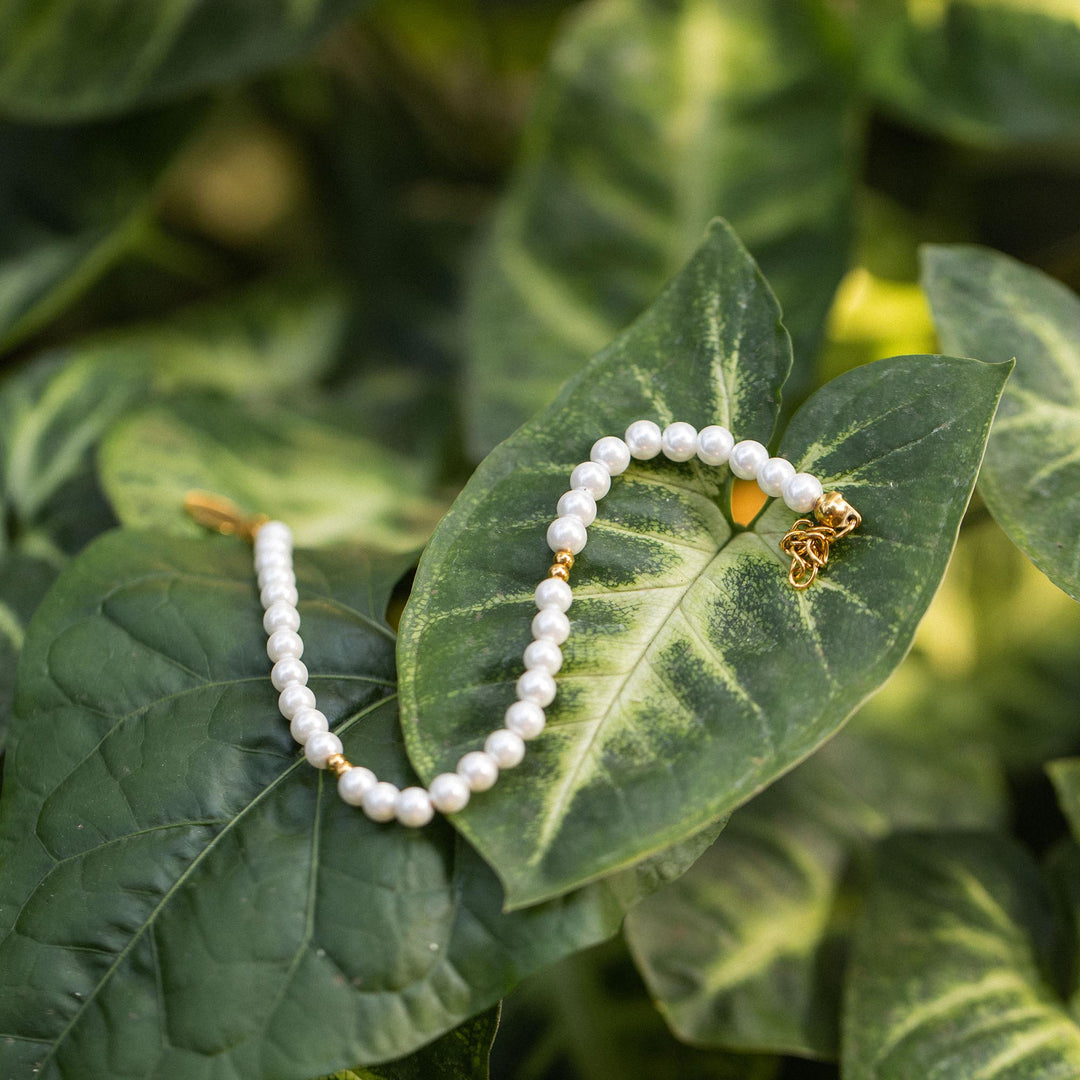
[988, 305]
[959, 967]
[694, 674]
[77, 59]
[181, 891]
[746, 950]
[653, 119]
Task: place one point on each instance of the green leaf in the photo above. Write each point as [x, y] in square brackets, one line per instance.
[988, 305]
[746, 950]
[688, 647]
[179, 887]
[72, 201]
[954, 971]
[1065, 773]
[992, 73]
[78, 59]
[653, 119]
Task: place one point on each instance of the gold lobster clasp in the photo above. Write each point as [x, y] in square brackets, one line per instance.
[808, 542]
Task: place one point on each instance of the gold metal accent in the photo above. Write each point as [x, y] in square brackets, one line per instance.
[808, 543]
[560, 572]
[222, 515]
[339, 763]
[564, 558]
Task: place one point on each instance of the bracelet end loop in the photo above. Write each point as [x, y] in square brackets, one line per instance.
[808, 544]
[222, 515]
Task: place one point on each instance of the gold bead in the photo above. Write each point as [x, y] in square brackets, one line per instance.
[564, 558]
[832, 510]
[338, 763]
[560, 572]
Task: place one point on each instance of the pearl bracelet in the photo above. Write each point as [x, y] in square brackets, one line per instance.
[807, 544]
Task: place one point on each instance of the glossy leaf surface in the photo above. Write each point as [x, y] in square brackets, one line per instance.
[653, 119]
[694, 674]
[180, 890]
[988, 305]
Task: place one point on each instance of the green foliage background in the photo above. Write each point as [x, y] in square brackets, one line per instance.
[347, 264]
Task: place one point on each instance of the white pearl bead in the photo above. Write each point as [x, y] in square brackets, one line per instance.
[552, 624]
[536, 685]
[679, 441]
[275, 574]
[320, 746]
[274, 561]
[525, 718]
[413, 807]
[553, 592]
[479, 770]
[746, 458]
[643, 439]
[612, 453]
[773, 475]
[354, 784]
[380, 801]
[295, 696]
[578, 503]
[714, 444]
[276, 592]
[281, 616]
[282, 643]
[595, 479]
[289, 670]
[307, 722]
[506, 747]
[449, 793]
[271, 531]
[566, 534]
[801, 492]
[544, 655]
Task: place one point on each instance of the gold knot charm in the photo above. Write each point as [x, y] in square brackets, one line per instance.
[808, 542]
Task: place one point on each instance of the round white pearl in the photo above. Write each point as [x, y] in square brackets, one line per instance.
[746, 458]
[276, 561]
[714, 444]
[525, 718]
[380, 801]
[320, 746]
[801, 492]
[552, 624]
[289, 670]
[773, 475]
[281, 616]
[449, 793]
[544, 655]
[274, 574]
[679, 441]
[282, 643]
[354, 784]
[479, 770]
[506, 747]
[578, 503]
[307, 722]
[553, 592]
[271, 531]
[566, 534]
[612, 453]
[595, 479]
[413, 807]
[643, 439]
[295, 696]
[536, 685]
[276, 592]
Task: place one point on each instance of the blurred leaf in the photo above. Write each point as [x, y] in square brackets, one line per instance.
[1066, 777]
[987, 305]
[988, 72]
[78, 59]
[72, 201]
[956, 965]
[688, 646]
[746, 950]
[653, 119]
[180, 886]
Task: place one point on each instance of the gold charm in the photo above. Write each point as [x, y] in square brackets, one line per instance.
[222, 515]
[808, 543]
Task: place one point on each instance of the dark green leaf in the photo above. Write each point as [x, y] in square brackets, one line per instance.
[1065, 774]
[179, 887]
[955, 967]
[988, 305]
[654, 118]
[688, 647]
[77, 59]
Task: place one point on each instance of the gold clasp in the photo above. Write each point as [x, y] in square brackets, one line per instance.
[808, 543]
[222, 515]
